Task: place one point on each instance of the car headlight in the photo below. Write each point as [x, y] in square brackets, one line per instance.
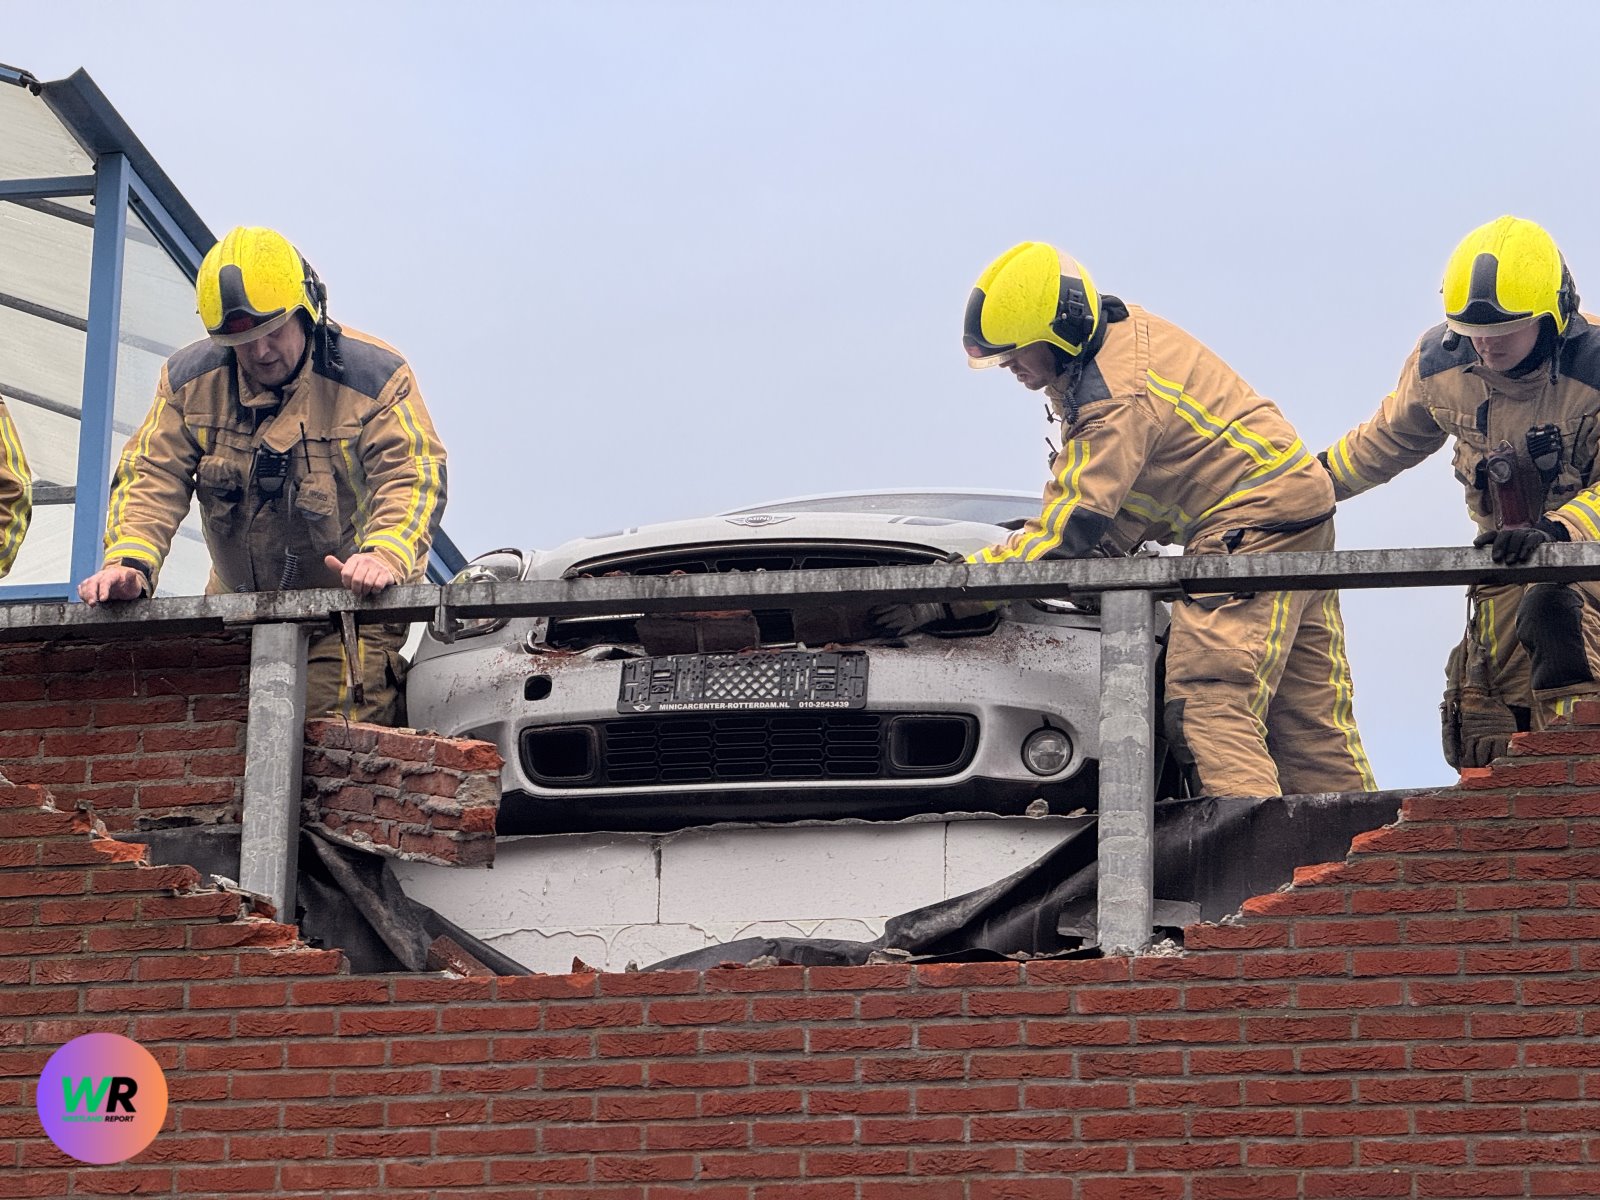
[498, 566]
[1047, 751]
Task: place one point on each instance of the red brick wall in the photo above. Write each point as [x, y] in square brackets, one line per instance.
[140, 729]
[403, 794]
[1418, 1021]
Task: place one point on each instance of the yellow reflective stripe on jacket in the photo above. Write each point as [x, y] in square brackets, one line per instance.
[1206, 425]
[425, 495]
[363, 510]
[1053, 521]
[127, 546]
[1074, 457]
[421, 500]
[1343, 468]
[388, 541]
[127, 478]
[1581, 510]
[1148, 508]
[1295, 458]
[13, 463]
[1339, 678]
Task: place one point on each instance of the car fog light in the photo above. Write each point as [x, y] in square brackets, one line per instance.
[1047, 751]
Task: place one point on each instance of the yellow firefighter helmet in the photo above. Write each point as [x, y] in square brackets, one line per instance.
[251, 283]
[1032, 293]
[1503, 277]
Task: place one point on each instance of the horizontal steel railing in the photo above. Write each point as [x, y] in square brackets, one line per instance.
[1127, 589]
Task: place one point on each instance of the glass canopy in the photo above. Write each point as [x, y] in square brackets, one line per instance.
[97, 259]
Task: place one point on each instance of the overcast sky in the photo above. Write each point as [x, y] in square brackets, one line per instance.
[652, 260]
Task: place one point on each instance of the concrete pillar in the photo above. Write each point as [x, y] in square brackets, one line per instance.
[274, 752]
[1127, 770]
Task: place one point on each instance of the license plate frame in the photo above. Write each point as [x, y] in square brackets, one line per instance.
[767, 681]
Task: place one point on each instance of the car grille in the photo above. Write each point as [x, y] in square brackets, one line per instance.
[775, 626]
[654, 750]
[758, 556]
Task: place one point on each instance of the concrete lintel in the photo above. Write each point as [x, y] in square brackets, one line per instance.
[274, 756]
[1127, 771]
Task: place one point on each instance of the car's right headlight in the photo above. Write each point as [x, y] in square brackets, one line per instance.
[499, 566]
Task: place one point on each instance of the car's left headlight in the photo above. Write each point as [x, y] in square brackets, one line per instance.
[499, 566]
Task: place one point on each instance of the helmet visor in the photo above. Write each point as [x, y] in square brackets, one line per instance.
[239, 327]
[1497, 329]
[983, 354]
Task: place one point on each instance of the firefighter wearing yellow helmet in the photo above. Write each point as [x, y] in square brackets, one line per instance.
[315, 463]
[1162, 441]
[1512, 376]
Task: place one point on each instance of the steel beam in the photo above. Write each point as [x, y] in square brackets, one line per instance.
[47, 188]
[1127, 771]
[884, 585]
[274, 749]
[164, 228]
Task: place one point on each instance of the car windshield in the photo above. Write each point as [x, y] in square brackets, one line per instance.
[986, 508]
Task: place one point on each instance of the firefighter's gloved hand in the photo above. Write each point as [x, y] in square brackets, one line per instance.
[1514, 546]
[901, 619]
[1477, 729]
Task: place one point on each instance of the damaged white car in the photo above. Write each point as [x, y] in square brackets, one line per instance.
[628, 721]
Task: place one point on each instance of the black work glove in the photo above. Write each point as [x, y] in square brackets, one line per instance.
[1512, 546]
[901, 619]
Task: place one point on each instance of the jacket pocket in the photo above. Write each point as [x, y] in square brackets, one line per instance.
[318, 507]
[220, 479]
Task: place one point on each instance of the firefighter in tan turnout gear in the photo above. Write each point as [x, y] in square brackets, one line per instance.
[1513, 376]
[16, 492]
[315, 461]
[1162, 441]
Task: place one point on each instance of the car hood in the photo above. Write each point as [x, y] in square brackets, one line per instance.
[934, 533]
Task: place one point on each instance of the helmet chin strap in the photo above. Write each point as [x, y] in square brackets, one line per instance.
[1070, 368]
[325, 355]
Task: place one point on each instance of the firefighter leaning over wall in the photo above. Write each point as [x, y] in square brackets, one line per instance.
[1513, 375]
[16, 492]
[316, 464]
[1161, 441]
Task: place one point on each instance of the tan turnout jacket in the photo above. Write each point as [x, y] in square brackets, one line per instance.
[1444, 394]
[16, 492]
[1162, 441]
[366, 471]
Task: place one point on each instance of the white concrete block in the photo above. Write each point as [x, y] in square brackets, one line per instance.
[978, 853]
[611, 899]
[814, 872]
[552, 952]
[545, 882]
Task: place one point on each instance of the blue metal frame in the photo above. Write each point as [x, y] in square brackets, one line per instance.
[445, 562]
[100, 363]
[51, 188]
[174, 240]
